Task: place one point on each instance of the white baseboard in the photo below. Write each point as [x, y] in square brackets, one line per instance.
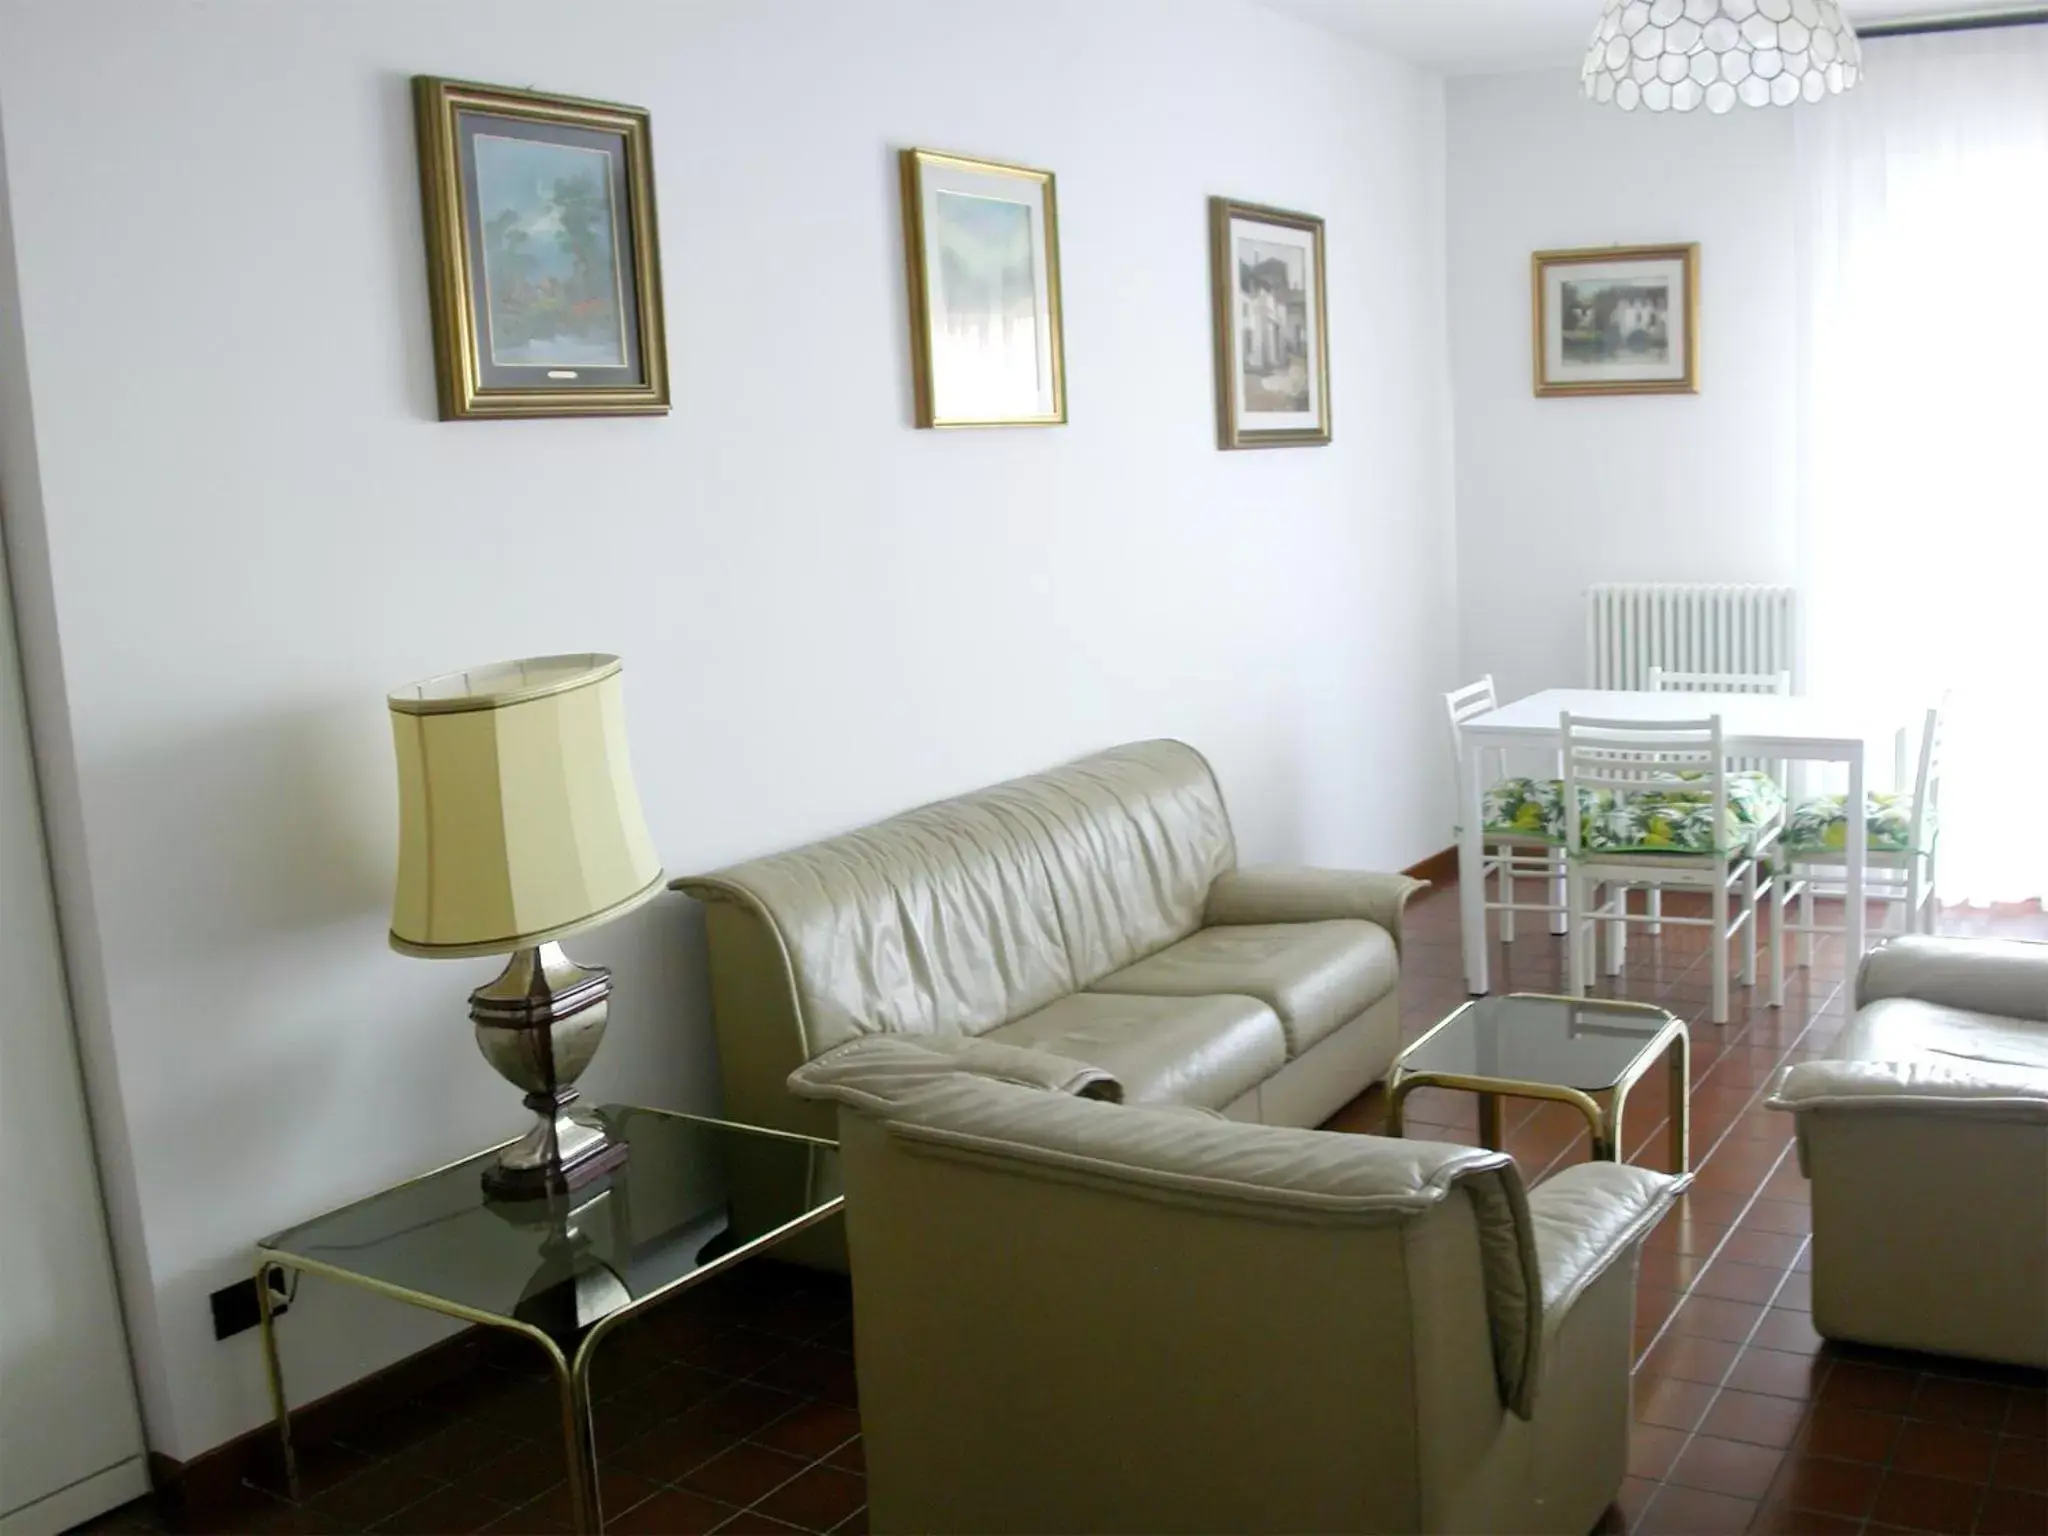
[80, 1501]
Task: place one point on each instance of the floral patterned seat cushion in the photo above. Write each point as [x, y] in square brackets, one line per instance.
[1658, 821]
[1525, 808]
[1821, 825]
[1652, 821]
[1679, 820]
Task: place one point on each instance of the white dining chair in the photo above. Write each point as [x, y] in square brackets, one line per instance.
[1653, 803]
[1523, 829]
[1669, 680]
[1902, 834]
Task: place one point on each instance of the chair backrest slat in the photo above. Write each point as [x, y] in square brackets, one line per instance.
[1927, 780]
[1466, 703]
[1664, 680]
[1627, 757]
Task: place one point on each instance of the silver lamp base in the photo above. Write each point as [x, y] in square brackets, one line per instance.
[539, 1023]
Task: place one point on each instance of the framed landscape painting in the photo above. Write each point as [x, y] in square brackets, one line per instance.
[1617, 320]
[541, 265]
[981, 242]
[1272, 336]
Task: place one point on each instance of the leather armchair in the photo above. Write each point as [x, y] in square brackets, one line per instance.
[1926, 1141]
[1072, 1315]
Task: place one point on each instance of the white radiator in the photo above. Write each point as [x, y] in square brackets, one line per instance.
[1634, 626]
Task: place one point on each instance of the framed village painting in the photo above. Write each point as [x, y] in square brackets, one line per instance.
[541, 265]
[981, 242]
[1272, 335]
[1617, 320]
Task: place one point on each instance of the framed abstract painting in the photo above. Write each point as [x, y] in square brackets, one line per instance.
[981, 242]
[542, 271]
[1272, 334]
[1617, 320]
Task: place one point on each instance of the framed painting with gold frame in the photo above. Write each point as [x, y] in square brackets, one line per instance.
[542, 271]
[1272, 326]
[1616, 320]
[982, 247]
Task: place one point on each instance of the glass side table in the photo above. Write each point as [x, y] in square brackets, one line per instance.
[1530, 1045]
[694, 1197]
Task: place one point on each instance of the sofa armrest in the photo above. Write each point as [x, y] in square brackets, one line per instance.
[1587, 1217]
[1286, 894]
[1985, 1090]
[2001, 976]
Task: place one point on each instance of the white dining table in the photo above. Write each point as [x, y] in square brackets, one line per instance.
[1753, 725]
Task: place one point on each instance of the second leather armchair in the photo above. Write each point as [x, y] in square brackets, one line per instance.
[1080, 1316]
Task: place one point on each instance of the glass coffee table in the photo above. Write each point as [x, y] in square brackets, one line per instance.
[1529, 1045]
[693, 1198]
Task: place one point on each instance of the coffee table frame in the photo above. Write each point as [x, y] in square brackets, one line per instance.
[1604, 1119]
[571, 1359]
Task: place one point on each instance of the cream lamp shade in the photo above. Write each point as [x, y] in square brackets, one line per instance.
[518, 823]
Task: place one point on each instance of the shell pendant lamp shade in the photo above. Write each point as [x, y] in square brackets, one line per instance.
[1676, 55]
[518, 820]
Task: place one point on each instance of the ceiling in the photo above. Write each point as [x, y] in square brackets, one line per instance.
[1481, 36]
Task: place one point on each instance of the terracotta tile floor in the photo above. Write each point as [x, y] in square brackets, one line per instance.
[734, 1408]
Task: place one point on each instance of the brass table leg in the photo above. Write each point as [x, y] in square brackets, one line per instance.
[1490, 1134]
[579, 1442]
[274, 1369]
[1607, 1128]
[1681, 1103]
[1397, 1094]
[585, 1430]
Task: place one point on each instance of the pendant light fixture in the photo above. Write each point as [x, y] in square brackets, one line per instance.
[1675, 55]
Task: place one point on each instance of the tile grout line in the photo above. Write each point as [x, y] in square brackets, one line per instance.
[1714, 1257]
[1806, 1405]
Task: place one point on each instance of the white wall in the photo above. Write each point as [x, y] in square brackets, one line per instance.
[1555, 494]
[241, 525]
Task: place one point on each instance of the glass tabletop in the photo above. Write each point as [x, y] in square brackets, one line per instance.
[1585, 1043]
[691, 1192]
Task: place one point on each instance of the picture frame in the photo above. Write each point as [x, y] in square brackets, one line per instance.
[982, 255]
[1271, 318]
[1616, 320]
[543, 273]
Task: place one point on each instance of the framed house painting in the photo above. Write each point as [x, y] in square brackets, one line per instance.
[1272, 335]
[981, 241]
[542, 271]
[1617, 320]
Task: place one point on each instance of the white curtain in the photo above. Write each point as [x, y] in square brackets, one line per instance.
[1924, 262]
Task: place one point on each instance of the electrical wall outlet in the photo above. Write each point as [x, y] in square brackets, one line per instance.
[235, 1307]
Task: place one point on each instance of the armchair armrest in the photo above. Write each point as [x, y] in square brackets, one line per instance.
[1284, 894]
[2001, 976]
[876, 1072]
[1588, 1216]
[1985, 1090]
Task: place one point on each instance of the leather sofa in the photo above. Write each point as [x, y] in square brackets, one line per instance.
[1925, 1137]
[1094, 912]
[1073, 1315]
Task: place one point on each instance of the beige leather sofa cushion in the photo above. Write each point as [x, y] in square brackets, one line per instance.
[1907, 1029]
[1315, 976]
[938, 921]
[1164, 1050]
[1132, 839]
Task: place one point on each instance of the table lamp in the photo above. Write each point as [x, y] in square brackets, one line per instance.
[518, 826]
